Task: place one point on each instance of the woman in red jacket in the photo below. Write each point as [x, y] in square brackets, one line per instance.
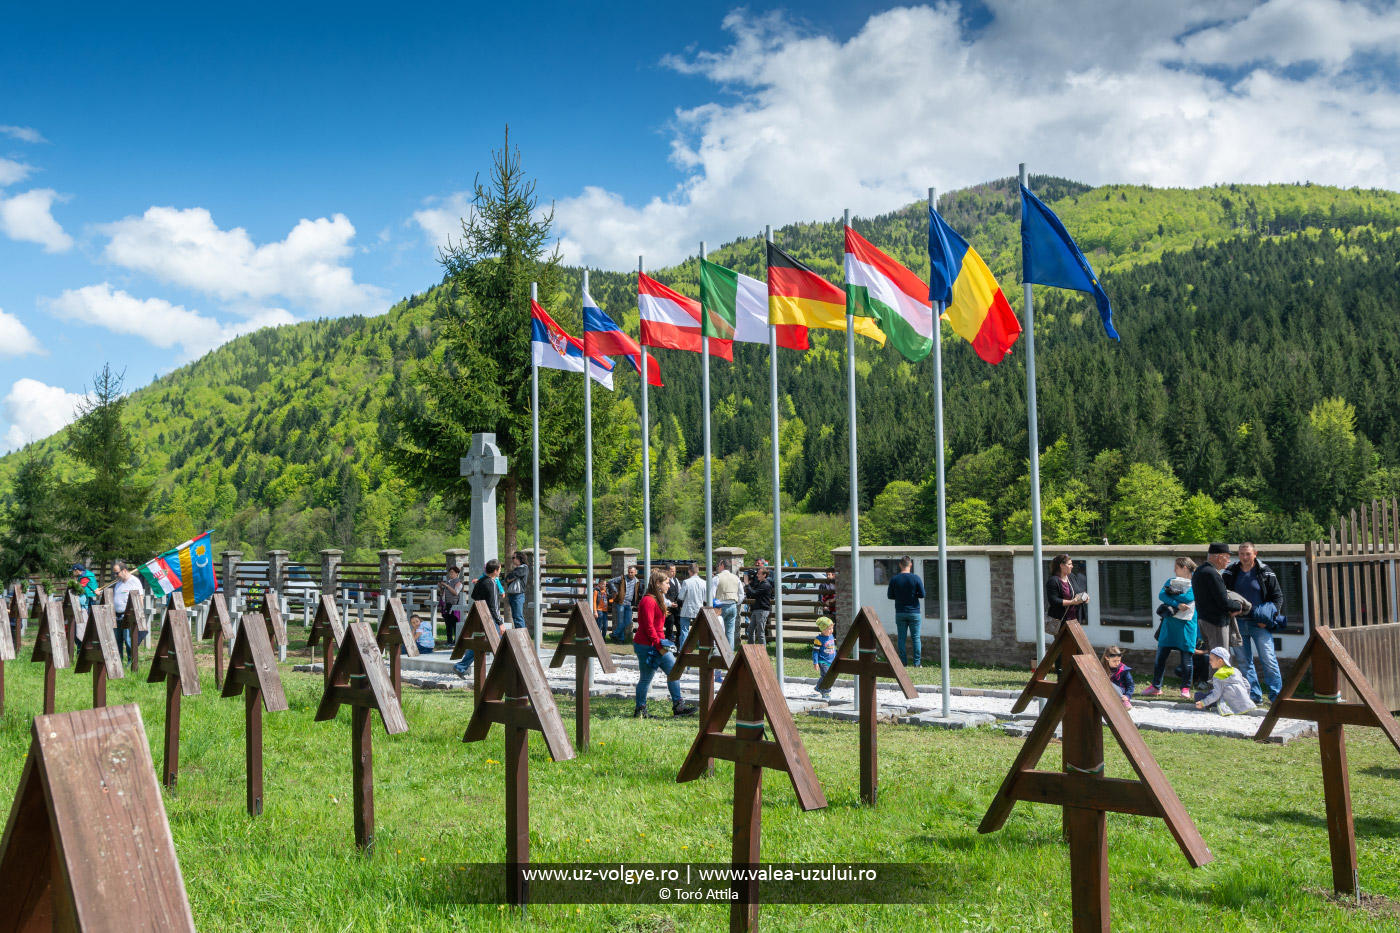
[653, 649]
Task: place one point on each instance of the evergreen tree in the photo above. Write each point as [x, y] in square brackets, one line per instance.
[30, 543]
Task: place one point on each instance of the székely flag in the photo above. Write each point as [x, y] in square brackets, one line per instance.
[1049, 256]
[880, 288]
[672, 321]
[974, 305]
[736, 308]
[797, 295]
[195, 559]
[160, 576]
[603, 338]
[553, 348]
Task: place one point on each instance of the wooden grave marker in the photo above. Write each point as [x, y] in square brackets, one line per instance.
[1332, 667]
[394, 632]
[358, 678]
[1070, 640]
[751, 694]
[50, 646]
[218, 625]
[74, 620]
[707, 650]
[87, 845]
[276, 625]
[252, 671]
[583, 641]
[131, 624]
[98, 653]
[516, 695]
[327, 629]
[480, 634]
[18, 601]
[1083, 700]
[7, 650]
[867, 640]
[172, 660]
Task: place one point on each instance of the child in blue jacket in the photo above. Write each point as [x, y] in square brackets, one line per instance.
[823, 651]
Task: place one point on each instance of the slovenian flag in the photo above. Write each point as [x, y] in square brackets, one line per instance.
[553, 348]
[603, 338]
[879, 287]
[974, 305]
[672, 321]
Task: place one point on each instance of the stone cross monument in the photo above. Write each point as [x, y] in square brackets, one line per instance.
[484, 465]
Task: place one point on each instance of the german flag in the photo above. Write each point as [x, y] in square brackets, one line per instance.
[797, 295]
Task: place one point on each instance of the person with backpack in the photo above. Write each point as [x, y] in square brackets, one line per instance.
[517, 582]
[484, 590]
[1258, 584]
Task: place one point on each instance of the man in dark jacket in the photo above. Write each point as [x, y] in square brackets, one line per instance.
[1252, 579]
[907, 592]
[624, 593]
[760, 591]
[1212, 610]
[484, 591]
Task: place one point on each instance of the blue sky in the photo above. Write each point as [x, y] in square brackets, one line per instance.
[169, 180]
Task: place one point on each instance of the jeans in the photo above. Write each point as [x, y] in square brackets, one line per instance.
[124, 642]
[622, 621]
[649, 660]
[517, 608]
[684, 631]
[758, 626]
[1159, 666]
[1260, 640]
[730, 613]
[908, 624]
[465, 664]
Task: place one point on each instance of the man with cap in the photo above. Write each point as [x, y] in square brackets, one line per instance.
[1212, 609]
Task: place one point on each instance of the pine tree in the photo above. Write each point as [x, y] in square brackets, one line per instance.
[30, 542]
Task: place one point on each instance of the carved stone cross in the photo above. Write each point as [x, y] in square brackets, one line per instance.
[484, 465]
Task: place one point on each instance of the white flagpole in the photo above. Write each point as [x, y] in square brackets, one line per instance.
[1038, 567]
[944, 628]
[535, 471]
[587, 456]
[777, 493]
[646, 451]
[854, 478]
[705, 418]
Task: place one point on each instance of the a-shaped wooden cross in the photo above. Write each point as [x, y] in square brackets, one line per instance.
[130, 622]
[252, 671]
[480, 634]
[98, 653]
[706, 649]
[172, 660]
[18, 603]
[1070, 640]
[1333, 668]
[516, 695]
[328, 630]
[395, 632]
[218, 625]
[859, 654]
[582, 640]
[87, 845]
[50, 645]
[7, 650]
[752, 695]
[276, 625]
[74, 620]
[1083, 700]
[358, 678]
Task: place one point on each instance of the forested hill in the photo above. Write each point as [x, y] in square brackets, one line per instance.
[1246, 313]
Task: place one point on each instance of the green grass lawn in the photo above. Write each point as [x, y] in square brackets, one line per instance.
[439, 803]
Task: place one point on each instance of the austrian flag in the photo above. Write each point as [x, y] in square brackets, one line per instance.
[672, 321]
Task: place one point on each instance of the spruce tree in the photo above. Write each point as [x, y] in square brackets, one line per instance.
[29, 544]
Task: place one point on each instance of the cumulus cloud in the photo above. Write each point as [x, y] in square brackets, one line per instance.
[804, 125]
[441, 218]
[25, 134]
[12, 172]
[15, 338]
[34, 410]
[29, 217]
[164, 324]
[187, 248]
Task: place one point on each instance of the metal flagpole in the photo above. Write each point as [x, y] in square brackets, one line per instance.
[944, 629]
[587, 456]
[535, 471]
[646, 452]
[777, 494]
[854, 478]
[1038, 567]
[705, 418]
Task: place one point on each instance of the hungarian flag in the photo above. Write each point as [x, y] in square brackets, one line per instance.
[975, 307]
[672, 321]
[160, 576]
[797, 295]
[736, 308]
[880, 288]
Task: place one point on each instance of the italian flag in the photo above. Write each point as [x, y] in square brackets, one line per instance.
[160, 577]
[736, 308]
[879, 287]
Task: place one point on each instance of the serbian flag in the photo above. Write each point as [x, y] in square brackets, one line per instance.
[603, 338]
[672, 321]
[975, 307]
[553, 348]
[879, 287]
[797, 295]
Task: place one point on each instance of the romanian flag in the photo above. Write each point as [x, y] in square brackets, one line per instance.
[975, 308]
[797, 295]
[672, 321]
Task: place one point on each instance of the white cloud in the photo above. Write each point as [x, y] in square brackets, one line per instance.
[12, 172]
[29, 217]
[804, 125]
[441, 218]
[35, 410]
[164, 324]
[25, 134]
[185, 247]
[15, 338]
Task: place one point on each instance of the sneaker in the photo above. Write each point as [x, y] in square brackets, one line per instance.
[641, 713]
[1151, 691]
[1127, 703]
[1186, 693]
[683, 709]
[825, 694]
[459, 672]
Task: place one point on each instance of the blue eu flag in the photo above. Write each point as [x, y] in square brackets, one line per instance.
[1050, 257]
